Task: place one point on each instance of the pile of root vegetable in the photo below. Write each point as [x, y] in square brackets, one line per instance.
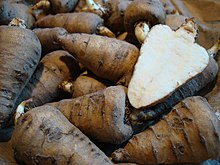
[106, 82]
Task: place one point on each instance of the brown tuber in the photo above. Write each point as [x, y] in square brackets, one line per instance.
[100, 115]
[188, 134]
[44, 136]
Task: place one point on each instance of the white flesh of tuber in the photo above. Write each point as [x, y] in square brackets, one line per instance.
[168, 59]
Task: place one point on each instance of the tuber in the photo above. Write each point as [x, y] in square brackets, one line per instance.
[53, 69]
[75, 23]
[106, 57]
[48, 38]
[178, 64]
[56, 6]
[188, 134]
[10, 10]
[44, 136]
[141, 15]
[99, 115]
[20, 51]
[83, 85]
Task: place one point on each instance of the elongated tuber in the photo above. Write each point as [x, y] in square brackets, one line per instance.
[106, 57]
[20, 52]
[188, 134]
[99, 115]
[44, 136]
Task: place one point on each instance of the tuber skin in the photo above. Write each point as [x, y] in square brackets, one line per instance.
[99, 115]
[19, 60]
[83, 85]
[143, 117]
[48, 38]
[10, 10]
[151, 12]
[44, 136]
[188, 134]
[53, 69]
[56, 6]
[74, 23]
[106, 57]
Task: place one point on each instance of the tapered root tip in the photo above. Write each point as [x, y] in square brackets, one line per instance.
[66, 86]
[214, 49]
[141, 31]
[119, 155]
[18, 22]
[20, 109]
[43, 4]
[104, 31]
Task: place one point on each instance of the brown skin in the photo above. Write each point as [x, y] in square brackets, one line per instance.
[20, 52]
[188, 134]
[214, 96]
[62, 6]
[48, 38]
[107, 58]
[44, 136]
[151, 11]
[150, 115]
[99, 115]
[115, 19]
[85, 84]
[72, 22]
[53, 69]
[15, 10]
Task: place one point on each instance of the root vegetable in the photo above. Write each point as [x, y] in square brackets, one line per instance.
[188, 134]
[142, 118]
[20, 51]
[146, 13]
[44, 136]
[177, 64]
[48, 38]
[53, 69]
[10, 10]
[99, 115]
[56, 6]
[106, 57]
[75, 23]
[214, 96]
[83, 85]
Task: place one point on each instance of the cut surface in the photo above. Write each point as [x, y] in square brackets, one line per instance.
[168, 59]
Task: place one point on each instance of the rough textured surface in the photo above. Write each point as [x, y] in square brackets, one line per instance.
[44, 136]
[188, 134]
[108, 58]
[173, 58]
[63, 6]
[99, 115]
[72, 22]
[52, 70]
[48, 38]
[115, 19]
[151, 11]
[8, 11]
[20, 51]
[86, 84]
